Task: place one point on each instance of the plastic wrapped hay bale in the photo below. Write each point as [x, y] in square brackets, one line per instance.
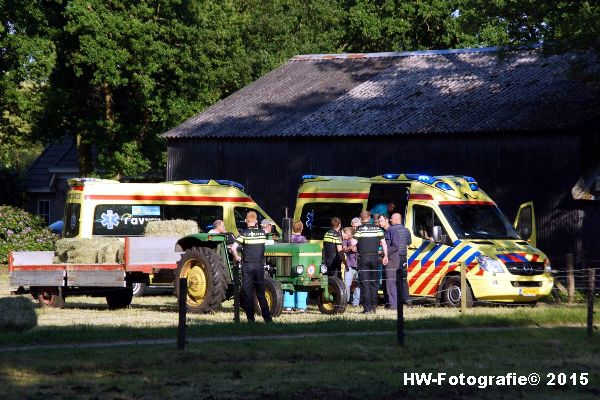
[171, 228]
[17, 314]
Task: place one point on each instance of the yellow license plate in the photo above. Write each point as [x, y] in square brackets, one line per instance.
[528, 291]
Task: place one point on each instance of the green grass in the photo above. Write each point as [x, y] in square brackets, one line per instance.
[324, 367]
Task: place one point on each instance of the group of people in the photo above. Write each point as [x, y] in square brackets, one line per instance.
[373, 245]
[371, 240]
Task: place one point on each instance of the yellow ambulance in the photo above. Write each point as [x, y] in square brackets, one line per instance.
[101, 207]
[452, 222]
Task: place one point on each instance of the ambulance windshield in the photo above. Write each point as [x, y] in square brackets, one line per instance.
[475, 221]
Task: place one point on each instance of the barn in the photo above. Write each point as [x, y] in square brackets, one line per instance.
[524, 123]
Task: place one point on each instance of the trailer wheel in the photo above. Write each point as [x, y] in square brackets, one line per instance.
[138, 288]
[451, 292]
[206, 279]
[119, 298]
[48, 296]
[274, 295]
[338, 297]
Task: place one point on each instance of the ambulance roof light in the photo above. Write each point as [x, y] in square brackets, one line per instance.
[199, 181]
[305, 177]
[227, 182]
[469, 179]
[430, 180]
[391, 176]
[474, 187]
[443, 186]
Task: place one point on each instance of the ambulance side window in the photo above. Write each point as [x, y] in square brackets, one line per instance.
[124, 219]
[203, 215]
[424, 219]
[316, 217]
[239, 213]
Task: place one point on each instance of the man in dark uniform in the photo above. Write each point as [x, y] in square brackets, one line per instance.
[397, 238]
[253, 272]
[403, 239]
[333, 254]
[369, 237]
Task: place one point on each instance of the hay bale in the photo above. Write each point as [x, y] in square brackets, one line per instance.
[89, 251]
[171, 228]
[17, 314]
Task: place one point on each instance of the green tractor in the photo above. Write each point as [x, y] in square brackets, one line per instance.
[207, 264]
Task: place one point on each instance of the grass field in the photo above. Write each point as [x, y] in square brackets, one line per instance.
[333, 366]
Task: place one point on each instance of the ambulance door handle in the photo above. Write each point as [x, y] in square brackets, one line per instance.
[412, 247]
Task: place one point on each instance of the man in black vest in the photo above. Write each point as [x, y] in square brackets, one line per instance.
[369, 237]
[333, 254]
[253, 273]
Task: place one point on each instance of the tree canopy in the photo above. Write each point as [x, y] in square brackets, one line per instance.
[115, 74]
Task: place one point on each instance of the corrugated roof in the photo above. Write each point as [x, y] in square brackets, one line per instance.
[471, 90]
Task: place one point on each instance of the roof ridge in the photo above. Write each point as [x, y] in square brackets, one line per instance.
[391, 54]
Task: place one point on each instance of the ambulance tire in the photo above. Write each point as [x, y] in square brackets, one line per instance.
[274, 295]
[339, 297]
[451, 292]
[119, 298]
[206, 279]
[48, 296]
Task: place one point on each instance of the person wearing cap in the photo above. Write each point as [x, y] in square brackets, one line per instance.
[267, 226]
[253, 273]
[333, 254]
[369, 237]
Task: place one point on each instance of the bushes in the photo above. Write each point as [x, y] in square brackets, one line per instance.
[17, 314]
[20, 230]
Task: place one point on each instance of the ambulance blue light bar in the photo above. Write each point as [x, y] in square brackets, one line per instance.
[443, 186]
[391, 176]
[304, 177]
[430, 180]
[199, 181]
[226, 182]
[474, 187]
[469, 179]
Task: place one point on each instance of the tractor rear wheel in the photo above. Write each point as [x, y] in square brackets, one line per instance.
[338, 297]
[206, 279]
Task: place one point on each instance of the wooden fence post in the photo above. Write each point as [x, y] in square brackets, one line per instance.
[463, 287]
[570, 279]
[590, 314]
[182, 302]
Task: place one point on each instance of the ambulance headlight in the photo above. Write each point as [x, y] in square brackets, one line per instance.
[490, 265]
[299, 269]
[547, 266]
[323, 268]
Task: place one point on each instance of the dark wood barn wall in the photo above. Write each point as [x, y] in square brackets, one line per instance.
[512, 168]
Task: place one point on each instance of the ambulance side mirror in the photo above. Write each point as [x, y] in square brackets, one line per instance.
[437, 234]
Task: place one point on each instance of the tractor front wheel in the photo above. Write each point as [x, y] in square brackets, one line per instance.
[337, 300]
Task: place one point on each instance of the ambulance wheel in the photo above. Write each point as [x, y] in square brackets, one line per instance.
[274, 296]
[451, 292]
[206, 279]
[48, 296]
[138, 288]
[338, 297]
[119, 298]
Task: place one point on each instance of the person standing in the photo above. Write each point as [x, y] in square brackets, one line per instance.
[333, 255]
[253, 273]
[349, 247]
[369, 236]
[400, 238]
